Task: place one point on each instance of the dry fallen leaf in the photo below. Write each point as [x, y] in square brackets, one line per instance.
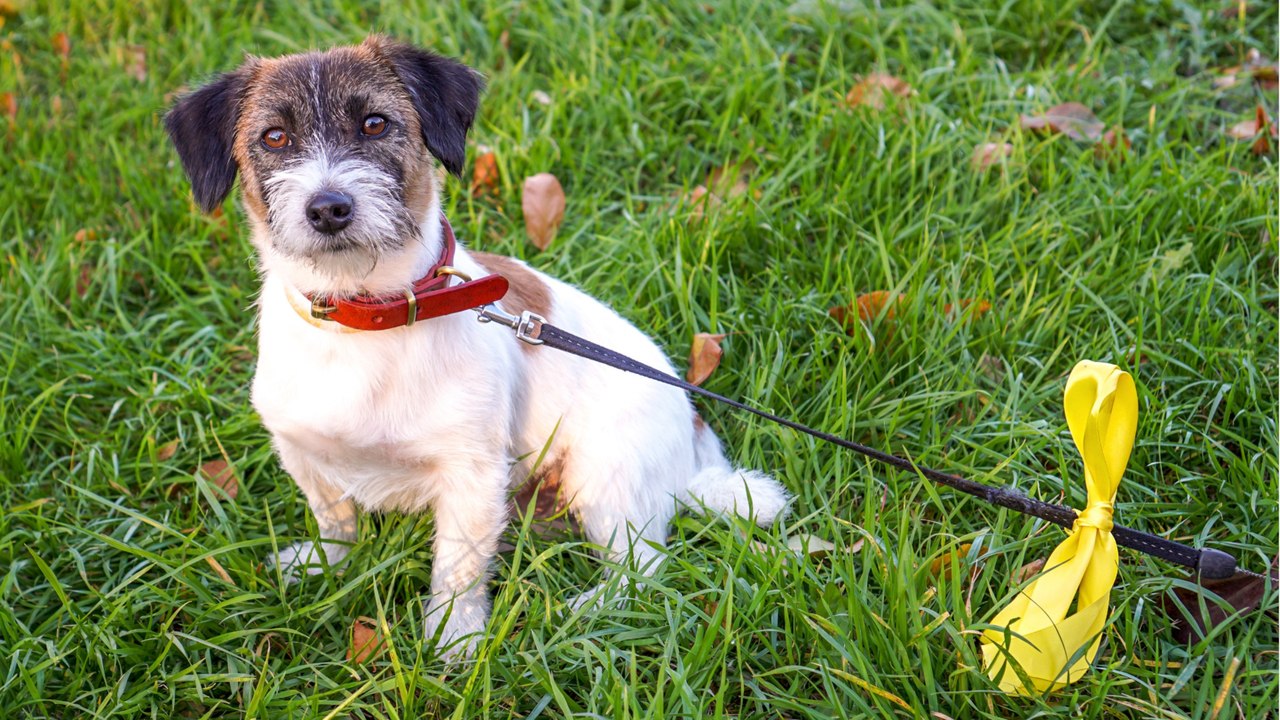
[811, 545]
[1260, 129]
[871, 91]
[1226, 81]
[1071, 119]
[543, 203]
[704, 357]
[866, 309]
[699, 201]
[223, 475]
[1114, 146]
[10, 104]
[1242, 592]
[84, 235]
[84, 280]
[167, 450]
[135, 62]
[484, 176]
[969, 307]
[871, 304]
[62, 46]
[992, 367]
[731, 181]
[366, 641]
[988, 155]
[941, 568]
[884, 305]
[1028, 571]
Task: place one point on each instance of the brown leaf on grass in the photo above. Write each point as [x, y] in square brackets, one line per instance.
[223, 475]
[543, 203]
[993, 367]
[484, 175]
[885, 306]
[1028, 571]
[1114, 146]
[167, 450]
[366, 641]
[969, 307]
[1260, 129]
[84, 280]
[818, 548]
[871, 304]
[1234, 10]
[9, 103]
[941, 567]
[1242, 592]
[731, 181]
[84, 235]
[872, 91]
[1071, 119]
[62, 46]
[989, 155]
[865, 309]
[1226, 81]
[700, 200]
[135, 62]
[8, 9]
[704, 357]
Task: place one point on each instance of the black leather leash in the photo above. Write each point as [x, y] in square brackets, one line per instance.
[1209, 563]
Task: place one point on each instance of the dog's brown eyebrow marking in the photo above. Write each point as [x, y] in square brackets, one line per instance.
[527, 291]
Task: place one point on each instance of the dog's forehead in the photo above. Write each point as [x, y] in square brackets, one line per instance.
[311, 86]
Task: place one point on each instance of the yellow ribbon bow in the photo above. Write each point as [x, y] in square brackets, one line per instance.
[1038, 635]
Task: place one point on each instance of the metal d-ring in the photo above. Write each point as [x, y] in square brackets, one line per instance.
[451, 270]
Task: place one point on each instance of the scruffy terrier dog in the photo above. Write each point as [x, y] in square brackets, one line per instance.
[336, 155]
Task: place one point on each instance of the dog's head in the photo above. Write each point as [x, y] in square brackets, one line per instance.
[333, 148]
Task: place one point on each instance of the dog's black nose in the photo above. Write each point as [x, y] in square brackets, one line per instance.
[329, 211]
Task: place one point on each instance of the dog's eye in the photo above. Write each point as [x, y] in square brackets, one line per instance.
[374, 125]
[275, 139]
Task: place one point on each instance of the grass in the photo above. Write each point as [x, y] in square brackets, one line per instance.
[132, 587]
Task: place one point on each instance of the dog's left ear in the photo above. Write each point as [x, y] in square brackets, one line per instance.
[445, 94]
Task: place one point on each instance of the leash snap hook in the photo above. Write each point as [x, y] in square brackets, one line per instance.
[528, 325]
[530, 328]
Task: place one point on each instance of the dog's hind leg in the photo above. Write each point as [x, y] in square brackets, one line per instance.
[336, 519]
[627, 515]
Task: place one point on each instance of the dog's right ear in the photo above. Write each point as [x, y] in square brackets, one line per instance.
[202, 126]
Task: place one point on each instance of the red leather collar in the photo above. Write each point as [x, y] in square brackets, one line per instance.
[429, 297]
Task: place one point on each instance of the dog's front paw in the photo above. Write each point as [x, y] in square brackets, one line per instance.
[306, 558]
[456, 628]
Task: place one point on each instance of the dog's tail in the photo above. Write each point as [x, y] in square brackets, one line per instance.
[720, 487]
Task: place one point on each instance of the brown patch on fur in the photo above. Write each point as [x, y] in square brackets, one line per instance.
[527, 292]
[543, 490]
[698, 424]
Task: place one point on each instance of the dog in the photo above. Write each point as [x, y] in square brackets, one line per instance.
[337, 156]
